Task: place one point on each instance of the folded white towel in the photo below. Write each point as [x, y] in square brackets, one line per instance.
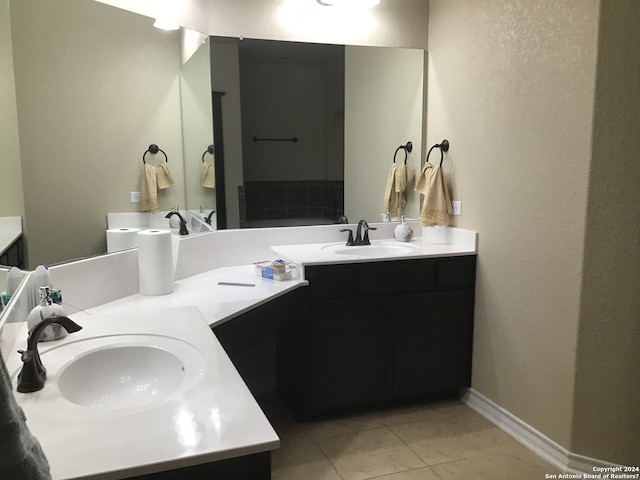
[21, 456]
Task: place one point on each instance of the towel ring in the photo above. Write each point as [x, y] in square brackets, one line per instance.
[407, 148]
[444, 147]
[208, 150]
[153, 149]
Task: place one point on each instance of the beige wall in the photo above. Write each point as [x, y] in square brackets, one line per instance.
[384, 95]
[511, 85]
[544, 160]
[197, 126]
[607, 410]
[95, 87]
[11, 198]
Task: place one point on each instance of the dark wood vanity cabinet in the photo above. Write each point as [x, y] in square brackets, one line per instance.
[350, 345]
[379, 333]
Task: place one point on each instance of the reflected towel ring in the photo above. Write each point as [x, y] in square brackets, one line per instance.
[444, 147]
[407, 148]
[153, 149]
[208, 150]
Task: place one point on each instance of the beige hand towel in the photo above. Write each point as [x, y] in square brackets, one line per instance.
[394, 198]
[163, 176]
[149, 189]
[207, 176]
[436, 206]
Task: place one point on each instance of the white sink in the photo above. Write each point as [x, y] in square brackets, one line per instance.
[375, 250]
[121, 377]
[117, 372]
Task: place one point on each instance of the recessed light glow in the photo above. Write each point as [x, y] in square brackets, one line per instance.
[165, 24]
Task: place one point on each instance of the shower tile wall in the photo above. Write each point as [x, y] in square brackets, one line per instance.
[268, 200]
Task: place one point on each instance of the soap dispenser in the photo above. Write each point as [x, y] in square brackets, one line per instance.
[46, 309]
[403, 232]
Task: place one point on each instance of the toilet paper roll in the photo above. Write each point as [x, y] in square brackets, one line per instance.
[121, 239]
[155, 262]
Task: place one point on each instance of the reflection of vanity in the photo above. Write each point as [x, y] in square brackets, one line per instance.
[12, 252]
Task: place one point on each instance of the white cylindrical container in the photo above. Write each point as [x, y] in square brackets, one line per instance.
[119, 239]
[14, 279]
[155, 262]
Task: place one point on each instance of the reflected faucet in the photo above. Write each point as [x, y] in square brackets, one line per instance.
[362, 233]
[33, 374]
[183, 222]
[208, 217]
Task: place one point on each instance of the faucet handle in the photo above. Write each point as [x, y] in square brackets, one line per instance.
[365, 239]
[350, 241]
[25, 355]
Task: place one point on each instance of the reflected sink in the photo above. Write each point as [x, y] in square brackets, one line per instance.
[375, 250]
[117, 372]
[121, 377]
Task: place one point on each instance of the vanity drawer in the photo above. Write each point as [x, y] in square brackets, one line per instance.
[406, 276]
[456, 272]
[332, 281]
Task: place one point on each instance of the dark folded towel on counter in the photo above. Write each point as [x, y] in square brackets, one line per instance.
[21, 457]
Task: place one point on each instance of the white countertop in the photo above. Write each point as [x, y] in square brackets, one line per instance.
[223, 418]
[421, 247]
[10, 231]
[217, 303]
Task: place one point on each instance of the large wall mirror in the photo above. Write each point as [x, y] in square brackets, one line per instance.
[282, 112]
[95, 85]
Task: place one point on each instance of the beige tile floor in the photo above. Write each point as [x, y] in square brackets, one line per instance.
[436, 441]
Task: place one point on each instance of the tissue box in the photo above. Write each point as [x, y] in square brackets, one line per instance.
[276, 270]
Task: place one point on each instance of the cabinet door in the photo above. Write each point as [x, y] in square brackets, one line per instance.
[432, 342]
[351, 353]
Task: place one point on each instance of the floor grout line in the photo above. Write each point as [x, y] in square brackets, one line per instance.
[357, 425]
[335, 469]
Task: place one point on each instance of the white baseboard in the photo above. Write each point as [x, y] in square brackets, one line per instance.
[531, 438]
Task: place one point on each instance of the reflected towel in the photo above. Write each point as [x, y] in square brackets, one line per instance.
[163, 176]
[394, 197]
[149, 189]
[207, 177]
[436, 206]
[21, 456]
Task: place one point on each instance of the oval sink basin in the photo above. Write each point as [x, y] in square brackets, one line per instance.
[121, 377]
[118, 372]
[377, 249]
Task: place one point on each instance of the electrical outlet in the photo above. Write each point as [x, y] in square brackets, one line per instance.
[135, 197]
[457, 207]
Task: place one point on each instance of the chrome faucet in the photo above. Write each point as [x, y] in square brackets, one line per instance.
[33, 374]
[183, 222]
